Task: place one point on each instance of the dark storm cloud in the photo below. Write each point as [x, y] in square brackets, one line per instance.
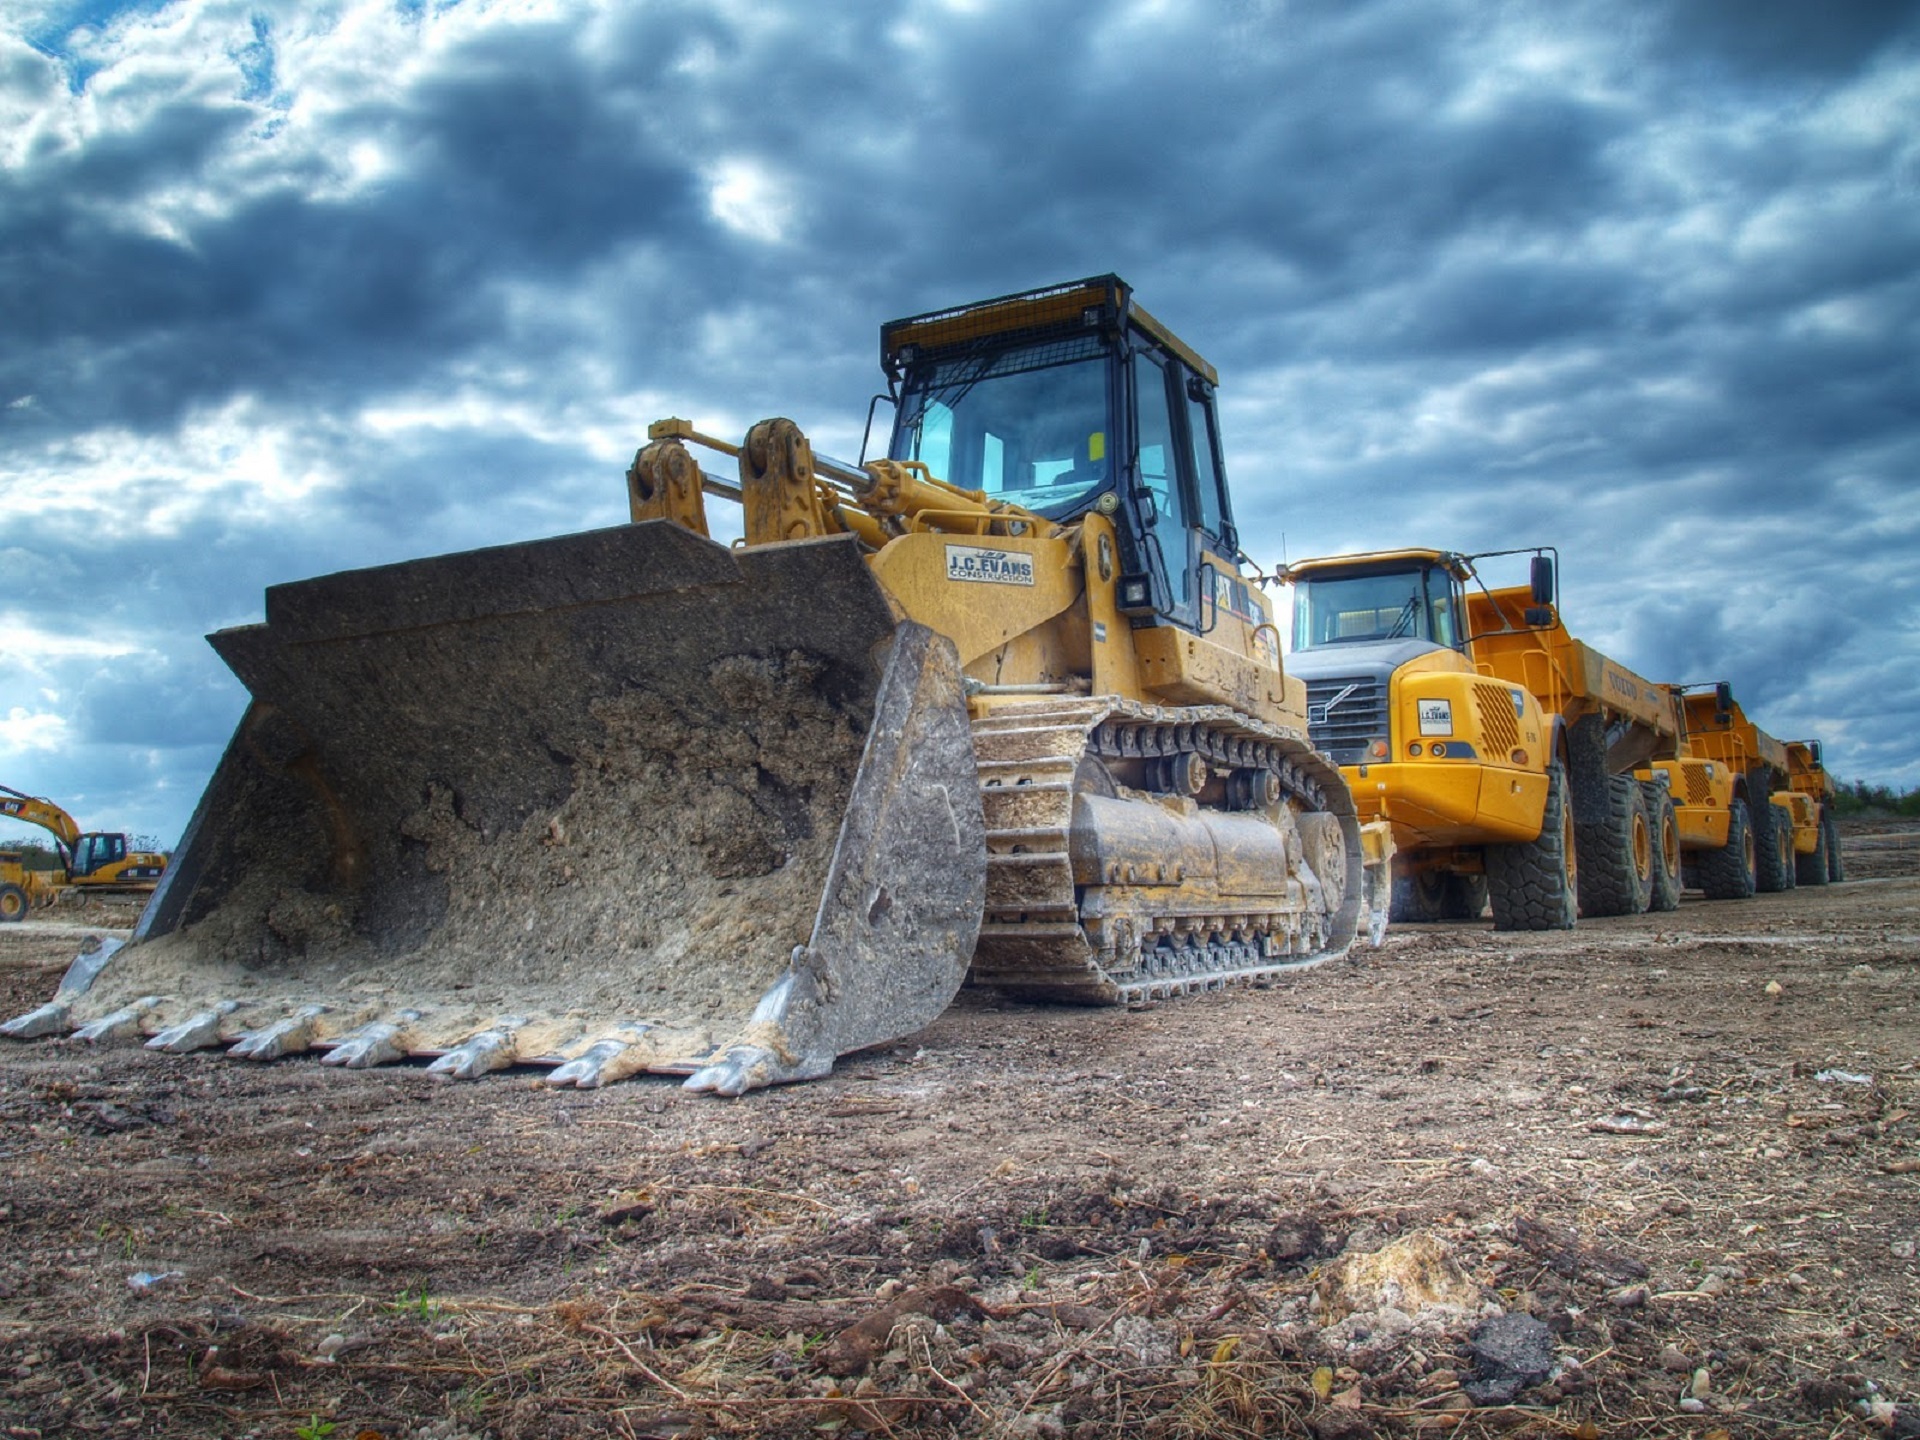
[512, 171]
[1763, 39]
[190, 699]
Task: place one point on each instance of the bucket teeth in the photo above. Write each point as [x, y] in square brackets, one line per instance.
[743, 1068]
[610, 1058]
[380, 1042]
[291, 1035]
[197, 1032]
[480, 1054]
[122, 1024]
[53, 1018]
[748, 1065]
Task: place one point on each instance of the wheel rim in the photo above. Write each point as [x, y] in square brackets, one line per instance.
[1642, 849]
[1669, 844]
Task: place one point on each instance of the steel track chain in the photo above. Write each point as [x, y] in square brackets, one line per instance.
[1039, 947]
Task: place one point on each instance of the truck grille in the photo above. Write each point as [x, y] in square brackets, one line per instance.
[1699, 787]
[1344, 713]
[1499, 726]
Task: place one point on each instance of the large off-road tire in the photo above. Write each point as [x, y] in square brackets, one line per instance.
[1416, 898]
[1727, 873]
[1433, 895]
[1616, 853]
[1772, 859]
[1663, 890]
[1811, 868]
[14, 904]
[1830, 827]
[1466, 897]
[1534, 885]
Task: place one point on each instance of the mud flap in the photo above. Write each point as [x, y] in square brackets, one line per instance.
[612, 802]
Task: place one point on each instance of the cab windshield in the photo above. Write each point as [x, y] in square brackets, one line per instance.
[1024, 426]
[1395, 605]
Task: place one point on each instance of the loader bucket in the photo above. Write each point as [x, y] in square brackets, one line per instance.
[614, 802]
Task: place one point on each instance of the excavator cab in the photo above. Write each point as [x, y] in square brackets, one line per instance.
[1087, 404]
[96, 851]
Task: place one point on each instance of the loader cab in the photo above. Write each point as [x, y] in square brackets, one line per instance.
[1068, 400]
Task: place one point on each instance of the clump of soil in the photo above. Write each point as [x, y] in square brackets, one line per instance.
[669, 887]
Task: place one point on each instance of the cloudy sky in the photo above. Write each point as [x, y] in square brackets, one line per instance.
[292, 287]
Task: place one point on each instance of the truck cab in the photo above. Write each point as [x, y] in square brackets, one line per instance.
[1450, 756]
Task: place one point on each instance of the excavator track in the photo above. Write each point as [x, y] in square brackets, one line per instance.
[1110, 880]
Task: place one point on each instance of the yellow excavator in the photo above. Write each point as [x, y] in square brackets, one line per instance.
[92, 862]
[1001, 707]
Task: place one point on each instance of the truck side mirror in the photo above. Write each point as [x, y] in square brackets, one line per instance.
[1813, 753]
[1723, 697]
[1540, 574]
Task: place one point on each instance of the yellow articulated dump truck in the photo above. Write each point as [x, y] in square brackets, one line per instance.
[1499, 748]
[1816, 843]
[1755, 813]
[1000, 705]
[92, 862]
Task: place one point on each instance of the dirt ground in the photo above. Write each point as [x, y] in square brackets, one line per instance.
[1655, 1176]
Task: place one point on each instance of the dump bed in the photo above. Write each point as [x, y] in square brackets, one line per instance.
[1569, 677]
[1731, 738]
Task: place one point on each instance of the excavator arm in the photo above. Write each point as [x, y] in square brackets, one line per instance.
[35, 810]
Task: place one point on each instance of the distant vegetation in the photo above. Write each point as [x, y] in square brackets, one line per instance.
[34, 854]
[1860, 798]
[40, 855]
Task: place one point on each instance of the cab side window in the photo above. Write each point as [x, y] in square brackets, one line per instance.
[1153, 434]
[1206, 469]
[1153, 430]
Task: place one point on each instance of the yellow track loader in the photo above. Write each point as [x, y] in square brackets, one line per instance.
[1000, 705]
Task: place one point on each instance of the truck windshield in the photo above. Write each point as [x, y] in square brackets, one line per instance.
[1395, 605]
[1025, 426]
